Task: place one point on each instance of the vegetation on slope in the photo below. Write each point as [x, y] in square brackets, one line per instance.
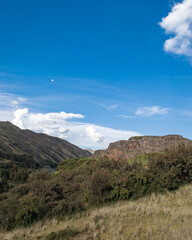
[15, 169]
[155, 217]
[80, 184]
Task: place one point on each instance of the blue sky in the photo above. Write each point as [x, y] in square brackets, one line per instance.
[111, 61]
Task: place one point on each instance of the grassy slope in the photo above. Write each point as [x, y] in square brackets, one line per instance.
[159, 217]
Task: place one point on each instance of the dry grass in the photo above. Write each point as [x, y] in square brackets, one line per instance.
[161, 217]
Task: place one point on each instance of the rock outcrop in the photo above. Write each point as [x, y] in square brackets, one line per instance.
[126, 149]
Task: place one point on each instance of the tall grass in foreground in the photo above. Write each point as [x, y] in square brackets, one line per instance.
[157, 217]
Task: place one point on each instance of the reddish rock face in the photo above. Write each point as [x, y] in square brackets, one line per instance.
[139, 145]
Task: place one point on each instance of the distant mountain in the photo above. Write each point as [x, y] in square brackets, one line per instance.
[126, 149]
[45, 149]
[90, 150]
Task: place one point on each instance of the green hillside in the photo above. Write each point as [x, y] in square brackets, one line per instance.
[79, 185]
[158, 217]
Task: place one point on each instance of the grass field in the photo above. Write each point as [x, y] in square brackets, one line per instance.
[162, 217]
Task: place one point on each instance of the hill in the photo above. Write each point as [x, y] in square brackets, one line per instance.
[45, 149]
[155, 217]
[126, 149]
[79, 185]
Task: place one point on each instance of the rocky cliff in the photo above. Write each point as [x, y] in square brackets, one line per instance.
[126, 149]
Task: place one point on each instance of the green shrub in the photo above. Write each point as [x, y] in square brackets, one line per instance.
[28, 211]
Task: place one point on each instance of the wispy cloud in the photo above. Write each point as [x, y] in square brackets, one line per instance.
[187, 113]
[8, 100]
[18, 100]
[66, 126]
[151, 111]
[126, 116]
[178, 23]
[112, 107]
[105, 106]
[147, 112]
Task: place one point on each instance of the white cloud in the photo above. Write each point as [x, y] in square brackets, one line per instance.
[94, 135]
[18, 115]
[46, 123]
[151, 111]
[178, 23]
[63, 125]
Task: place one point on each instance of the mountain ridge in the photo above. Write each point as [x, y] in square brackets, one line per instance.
[45, 149]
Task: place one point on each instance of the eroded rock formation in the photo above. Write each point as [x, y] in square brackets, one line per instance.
[126, 149]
